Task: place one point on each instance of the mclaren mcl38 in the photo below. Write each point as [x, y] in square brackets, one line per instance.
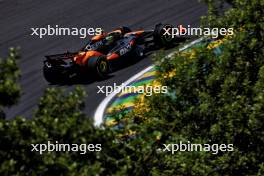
[98, 56]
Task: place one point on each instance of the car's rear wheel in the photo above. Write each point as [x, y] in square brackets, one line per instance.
[99, 66]
[161, 37]
[50, 74]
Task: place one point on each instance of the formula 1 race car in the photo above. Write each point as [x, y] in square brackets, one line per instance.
[102, 51]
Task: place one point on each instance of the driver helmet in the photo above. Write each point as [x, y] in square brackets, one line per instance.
[109, 38]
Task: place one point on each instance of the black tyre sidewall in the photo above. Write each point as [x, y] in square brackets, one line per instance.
[50, 74]
[93, 65]
[159, 38]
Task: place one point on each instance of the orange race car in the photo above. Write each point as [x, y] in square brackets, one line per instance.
[104, 51]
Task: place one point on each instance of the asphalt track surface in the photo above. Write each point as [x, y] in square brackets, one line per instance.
[17, 17]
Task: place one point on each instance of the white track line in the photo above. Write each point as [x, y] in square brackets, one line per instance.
[99, 113]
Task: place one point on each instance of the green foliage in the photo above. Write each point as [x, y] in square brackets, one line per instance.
[212, 99]
[59, 118]
[9, 73]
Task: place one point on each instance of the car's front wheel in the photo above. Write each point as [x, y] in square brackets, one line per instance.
[162, 37]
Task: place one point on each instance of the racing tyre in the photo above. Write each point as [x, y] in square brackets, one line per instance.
[160, 38]
[99, 66]
[50, 74]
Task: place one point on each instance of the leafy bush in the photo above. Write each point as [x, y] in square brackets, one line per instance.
[9, 73]
[213, 99]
